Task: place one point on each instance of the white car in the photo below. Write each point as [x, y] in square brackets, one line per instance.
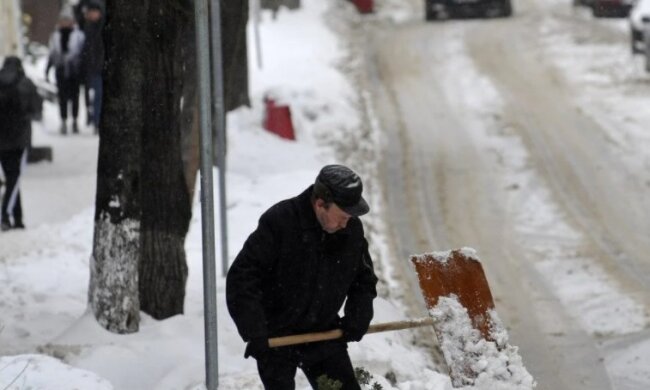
[639, 16]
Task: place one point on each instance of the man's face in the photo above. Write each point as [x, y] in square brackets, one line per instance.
[331, 217]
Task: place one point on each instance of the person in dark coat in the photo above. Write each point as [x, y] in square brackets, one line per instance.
[93, 58]
[79, 11]
[306, 258]
[65, 55]
[19, 104]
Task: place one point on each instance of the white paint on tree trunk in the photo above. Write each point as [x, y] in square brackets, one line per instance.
[115, 202]
[113, 290]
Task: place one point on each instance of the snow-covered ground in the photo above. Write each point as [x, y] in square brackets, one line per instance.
[614, 92]
[49, 341]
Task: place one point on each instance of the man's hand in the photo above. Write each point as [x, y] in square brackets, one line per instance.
[257, 348]
[351, 333]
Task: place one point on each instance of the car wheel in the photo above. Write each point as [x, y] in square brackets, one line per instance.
[597, 11]
[646, 48]
[506, 9]
[429, 12]
[633, 48]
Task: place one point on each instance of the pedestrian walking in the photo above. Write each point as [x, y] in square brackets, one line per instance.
[306, 258]
[19, 104]
[93, 58]
[65, 46]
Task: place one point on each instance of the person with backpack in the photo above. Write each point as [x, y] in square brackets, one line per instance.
[19, 104]
[66, 44]
[93, 58]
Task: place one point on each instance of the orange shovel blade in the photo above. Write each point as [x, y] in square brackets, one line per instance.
[460, 273]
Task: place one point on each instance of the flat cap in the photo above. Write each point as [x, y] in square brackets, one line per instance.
[342, 186]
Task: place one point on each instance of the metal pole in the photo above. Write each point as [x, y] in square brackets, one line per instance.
[219, 111]
[207, 195]
[256, 26]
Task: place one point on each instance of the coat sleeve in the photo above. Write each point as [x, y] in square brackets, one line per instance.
[358, 306]
[245, 279]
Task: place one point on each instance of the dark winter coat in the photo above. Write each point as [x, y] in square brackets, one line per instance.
[293, 277]
[24, 105]
[93, 50]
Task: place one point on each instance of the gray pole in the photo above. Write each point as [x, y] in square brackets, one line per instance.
[256, 26]
[219, 111]
[207, 196]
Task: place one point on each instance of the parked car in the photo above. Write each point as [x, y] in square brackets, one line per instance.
[612, 8]
[639, 20]
[587, 3]
[435, 9]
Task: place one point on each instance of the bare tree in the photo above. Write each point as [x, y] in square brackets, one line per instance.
[144, 184]
[166, 203]
[113, 291]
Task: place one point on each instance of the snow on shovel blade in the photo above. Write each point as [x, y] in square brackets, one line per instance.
[472, 338]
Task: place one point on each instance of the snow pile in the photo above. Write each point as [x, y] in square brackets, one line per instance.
[38, 372]
[475, 362]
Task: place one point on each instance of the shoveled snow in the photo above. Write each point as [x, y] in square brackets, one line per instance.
[475, 362]
[444, 256]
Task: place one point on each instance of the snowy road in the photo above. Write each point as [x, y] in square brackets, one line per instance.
[488, 146]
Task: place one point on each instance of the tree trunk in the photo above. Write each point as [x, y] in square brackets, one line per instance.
[143, 205]
[113, 291]
[234, 17]
[165, 199]
[189, 108]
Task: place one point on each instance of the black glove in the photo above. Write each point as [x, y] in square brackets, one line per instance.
[351, 333]
[257, 347]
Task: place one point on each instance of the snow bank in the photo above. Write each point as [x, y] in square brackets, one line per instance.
[38, 372]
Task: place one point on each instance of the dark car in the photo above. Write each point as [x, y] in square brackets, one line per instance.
[436, 9]
[587, 3]
[612, 8]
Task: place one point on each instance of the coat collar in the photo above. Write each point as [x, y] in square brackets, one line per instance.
[306, 211]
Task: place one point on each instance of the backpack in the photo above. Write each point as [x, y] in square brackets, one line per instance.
[10, 101]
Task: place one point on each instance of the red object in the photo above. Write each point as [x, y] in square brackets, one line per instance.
[277, 119]
[364, 6]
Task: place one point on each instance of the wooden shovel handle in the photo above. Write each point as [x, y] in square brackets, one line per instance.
[338, 333]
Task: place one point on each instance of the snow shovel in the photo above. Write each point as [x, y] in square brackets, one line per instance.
[338, 333]
[458, 297]
[459, 273]
[462, 275]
